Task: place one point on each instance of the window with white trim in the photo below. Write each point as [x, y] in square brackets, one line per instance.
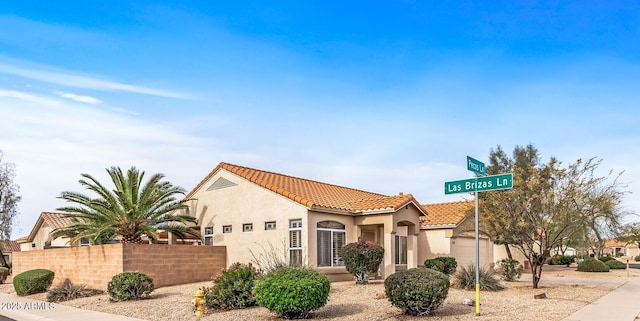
[295, 242]
[331, 239]
[208, 235]
[270, 225]
[401, 249]
[226, 229]
[248, 227]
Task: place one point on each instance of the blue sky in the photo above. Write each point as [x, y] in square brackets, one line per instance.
[385, 96]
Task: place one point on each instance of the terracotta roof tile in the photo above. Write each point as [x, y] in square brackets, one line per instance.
[9, 246]
[313, 193]
[451, 213]
[614, 243]
[56, 220]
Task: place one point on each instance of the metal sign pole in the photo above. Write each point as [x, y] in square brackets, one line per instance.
[477, 261]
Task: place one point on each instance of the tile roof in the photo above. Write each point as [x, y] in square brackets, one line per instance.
[56, 220]
[53, 219]
[446, 214]
[313, 194]
[614, 243]
[9, 246]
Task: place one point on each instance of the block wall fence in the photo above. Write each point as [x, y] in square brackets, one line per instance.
[95, 265]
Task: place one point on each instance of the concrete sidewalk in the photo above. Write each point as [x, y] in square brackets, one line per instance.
[621, 304]
[23, 309]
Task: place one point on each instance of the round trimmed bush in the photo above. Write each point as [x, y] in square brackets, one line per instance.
[417, 291]
[361, 258]
[292, 292]
[33, 281]
[233, 289]
[592, 265]
[637, 258]
[129, 286]
[605, 259]
[444, 264]
[615, 265]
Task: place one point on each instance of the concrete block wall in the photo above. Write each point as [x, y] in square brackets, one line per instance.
[94, 266]
[174, 264]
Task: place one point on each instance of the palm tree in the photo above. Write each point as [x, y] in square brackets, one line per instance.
[130, 210]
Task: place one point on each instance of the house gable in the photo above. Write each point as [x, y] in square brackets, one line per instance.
[314, 195]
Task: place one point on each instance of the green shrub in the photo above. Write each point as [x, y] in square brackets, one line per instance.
[417, 291]
[33, 281]
[68, 291]
[561, 259]
[465, 278]
[553, 260]
[615, 265]
[511, 269]
[292, 292]
[592, 265]
[233, 289]
[567, 259]
[444, 264]
[637, 258]
[4, 272]
[604, 259]
[129, 286]
[361, 258]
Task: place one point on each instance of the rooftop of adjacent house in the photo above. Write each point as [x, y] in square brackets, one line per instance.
[448, 214]
[313, 193]
[53, 219]
[616, 243]
[9, 246]
[56, 220]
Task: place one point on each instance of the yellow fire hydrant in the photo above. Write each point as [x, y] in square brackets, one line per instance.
[198, 302]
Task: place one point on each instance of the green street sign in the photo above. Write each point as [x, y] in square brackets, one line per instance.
[479, 184]
[475, 166]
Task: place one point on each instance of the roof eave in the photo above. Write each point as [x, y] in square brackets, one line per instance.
[437, 227]
[330, 210]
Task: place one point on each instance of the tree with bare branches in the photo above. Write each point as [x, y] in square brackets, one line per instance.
[548, 204]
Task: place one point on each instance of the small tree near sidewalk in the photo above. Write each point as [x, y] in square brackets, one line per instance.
[361, 258]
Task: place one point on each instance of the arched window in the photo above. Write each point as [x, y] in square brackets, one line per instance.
[331, 239]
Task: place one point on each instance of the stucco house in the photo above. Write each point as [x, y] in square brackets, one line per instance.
[251, 211]
[8, 247]
[38, 239]
[448, 230]
[615, 247]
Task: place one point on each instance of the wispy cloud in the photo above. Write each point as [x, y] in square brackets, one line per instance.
[71, 79]
[28, 97]
[78, 98]
[52, 140]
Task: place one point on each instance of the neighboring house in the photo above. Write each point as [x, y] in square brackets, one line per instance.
[8, 247]
[38, 239]
[448, 230]
[254, 212]
[615, 247]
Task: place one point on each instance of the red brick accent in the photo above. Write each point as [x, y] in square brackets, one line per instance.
[96, 265]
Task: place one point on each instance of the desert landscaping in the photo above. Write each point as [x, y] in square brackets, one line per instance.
[566, 290]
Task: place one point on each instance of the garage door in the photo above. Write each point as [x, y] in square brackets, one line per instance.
[464, 250]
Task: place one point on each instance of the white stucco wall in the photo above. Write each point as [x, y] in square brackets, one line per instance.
[41, 237]
[433, 243]
[244, 203]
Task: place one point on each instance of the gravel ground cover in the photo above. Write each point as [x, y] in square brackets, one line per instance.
[348, 301]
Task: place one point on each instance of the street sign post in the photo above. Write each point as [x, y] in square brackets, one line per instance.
[475, 166]
[480, 184]
[475, 185]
